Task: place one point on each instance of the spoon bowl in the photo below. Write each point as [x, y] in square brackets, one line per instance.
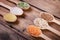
[38, 22]
[22, 5]
[49, 17]
[8, 16]
[14, 10]
[36, 32]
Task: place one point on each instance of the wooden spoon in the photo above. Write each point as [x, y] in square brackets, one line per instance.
[8, 17]
[20, 4]
[13, 10]
[44, 25]
[36, 32]
[49, 17]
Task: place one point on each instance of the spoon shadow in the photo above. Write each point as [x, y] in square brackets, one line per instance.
[4, 36]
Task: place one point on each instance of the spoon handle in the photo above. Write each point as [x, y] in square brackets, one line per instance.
[54, 30]
[4, 5]
[16, 2]
[56, 21]
[45, 37]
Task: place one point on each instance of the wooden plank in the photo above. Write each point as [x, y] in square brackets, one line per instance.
[28, 18]
[51, 6]
[7, 34]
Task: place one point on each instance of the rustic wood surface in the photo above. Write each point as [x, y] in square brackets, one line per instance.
[51, 6]
[28, 17]
[7, 34]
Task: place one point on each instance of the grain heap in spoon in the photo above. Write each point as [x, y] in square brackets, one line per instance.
[49, 17]
[14, 10]
[36, 32]
[20, 4]
[8, 16]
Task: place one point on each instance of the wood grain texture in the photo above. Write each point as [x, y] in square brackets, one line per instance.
[7, 34]
[27, 19]
[51, 6]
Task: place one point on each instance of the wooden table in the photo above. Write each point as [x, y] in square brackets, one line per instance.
[27, 19]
